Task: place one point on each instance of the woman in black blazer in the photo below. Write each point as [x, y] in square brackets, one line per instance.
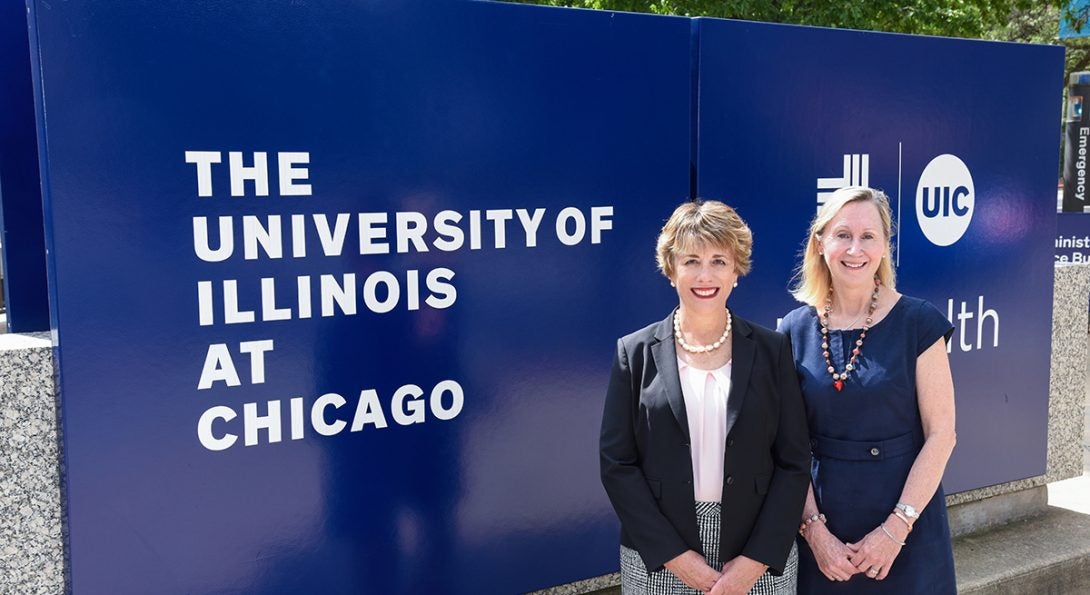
[704, 447]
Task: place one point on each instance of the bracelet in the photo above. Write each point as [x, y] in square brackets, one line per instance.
[890, 535]
[809, 521]
[897, 513]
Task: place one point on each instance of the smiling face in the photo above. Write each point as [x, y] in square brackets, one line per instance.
[703, 276]
[853, 244]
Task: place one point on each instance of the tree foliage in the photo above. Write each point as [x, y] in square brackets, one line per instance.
[956, 18]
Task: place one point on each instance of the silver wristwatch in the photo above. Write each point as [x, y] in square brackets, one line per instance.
[909, 511]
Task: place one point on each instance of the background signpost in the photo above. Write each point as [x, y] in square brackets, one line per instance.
[1076, 149]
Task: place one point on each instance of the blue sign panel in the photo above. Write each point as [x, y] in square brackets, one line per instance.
[337, 285]
[825, 109]
[22, 241]
[1073, 238]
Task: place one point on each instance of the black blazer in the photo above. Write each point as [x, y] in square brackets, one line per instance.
[646, 463]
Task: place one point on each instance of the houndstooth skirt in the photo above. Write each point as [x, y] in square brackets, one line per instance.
[635, 579]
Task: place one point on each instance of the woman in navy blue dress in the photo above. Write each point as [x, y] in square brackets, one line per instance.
[879, 397]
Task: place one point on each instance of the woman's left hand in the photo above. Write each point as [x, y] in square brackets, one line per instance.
[739, 576]
[876, 552]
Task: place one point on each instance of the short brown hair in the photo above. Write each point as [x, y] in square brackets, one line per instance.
[707, 222]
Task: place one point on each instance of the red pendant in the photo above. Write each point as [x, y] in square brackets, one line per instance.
[839, 384]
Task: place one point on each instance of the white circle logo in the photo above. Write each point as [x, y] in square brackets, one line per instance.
[945, 198]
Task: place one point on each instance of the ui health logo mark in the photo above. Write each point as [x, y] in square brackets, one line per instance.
[856, 173]
[945, 200]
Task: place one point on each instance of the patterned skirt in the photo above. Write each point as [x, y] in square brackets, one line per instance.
[635, 579]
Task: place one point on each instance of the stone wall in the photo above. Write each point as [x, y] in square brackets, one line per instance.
[31, 539]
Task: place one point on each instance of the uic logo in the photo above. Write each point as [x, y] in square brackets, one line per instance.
[945, 198]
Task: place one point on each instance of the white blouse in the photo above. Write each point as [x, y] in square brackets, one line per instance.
[706, 393]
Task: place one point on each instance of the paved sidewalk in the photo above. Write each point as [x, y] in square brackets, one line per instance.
[1071, 494]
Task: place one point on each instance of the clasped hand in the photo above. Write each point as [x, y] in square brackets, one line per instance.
[833, 556]
[838, 561]
[738, 576]
[694, 571]
[874, 554]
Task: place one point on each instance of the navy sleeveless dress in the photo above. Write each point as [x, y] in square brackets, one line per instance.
[864, 440]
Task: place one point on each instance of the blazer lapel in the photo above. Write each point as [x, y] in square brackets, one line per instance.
[745, 349]
[666, 364]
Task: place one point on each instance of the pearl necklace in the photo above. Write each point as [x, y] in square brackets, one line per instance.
[839, 378]
[699, 348]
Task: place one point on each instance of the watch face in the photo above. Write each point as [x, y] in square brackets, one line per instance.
[909, 511]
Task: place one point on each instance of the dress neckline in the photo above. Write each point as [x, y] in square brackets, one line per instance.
[892, 309]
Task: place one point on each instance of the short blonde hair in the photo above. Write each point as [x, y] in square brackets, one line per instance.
[814, 279]
[708, 223]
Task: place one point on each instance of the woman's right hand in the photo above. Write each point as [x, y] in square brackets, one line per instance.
[831, 554]
[694, 571]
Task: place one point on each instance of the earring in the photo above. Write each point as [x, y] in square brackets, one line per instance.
[736, 284]
[672, 284]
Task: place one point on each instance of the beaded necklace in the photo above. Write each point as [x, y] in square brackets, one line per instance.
[840, 377]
